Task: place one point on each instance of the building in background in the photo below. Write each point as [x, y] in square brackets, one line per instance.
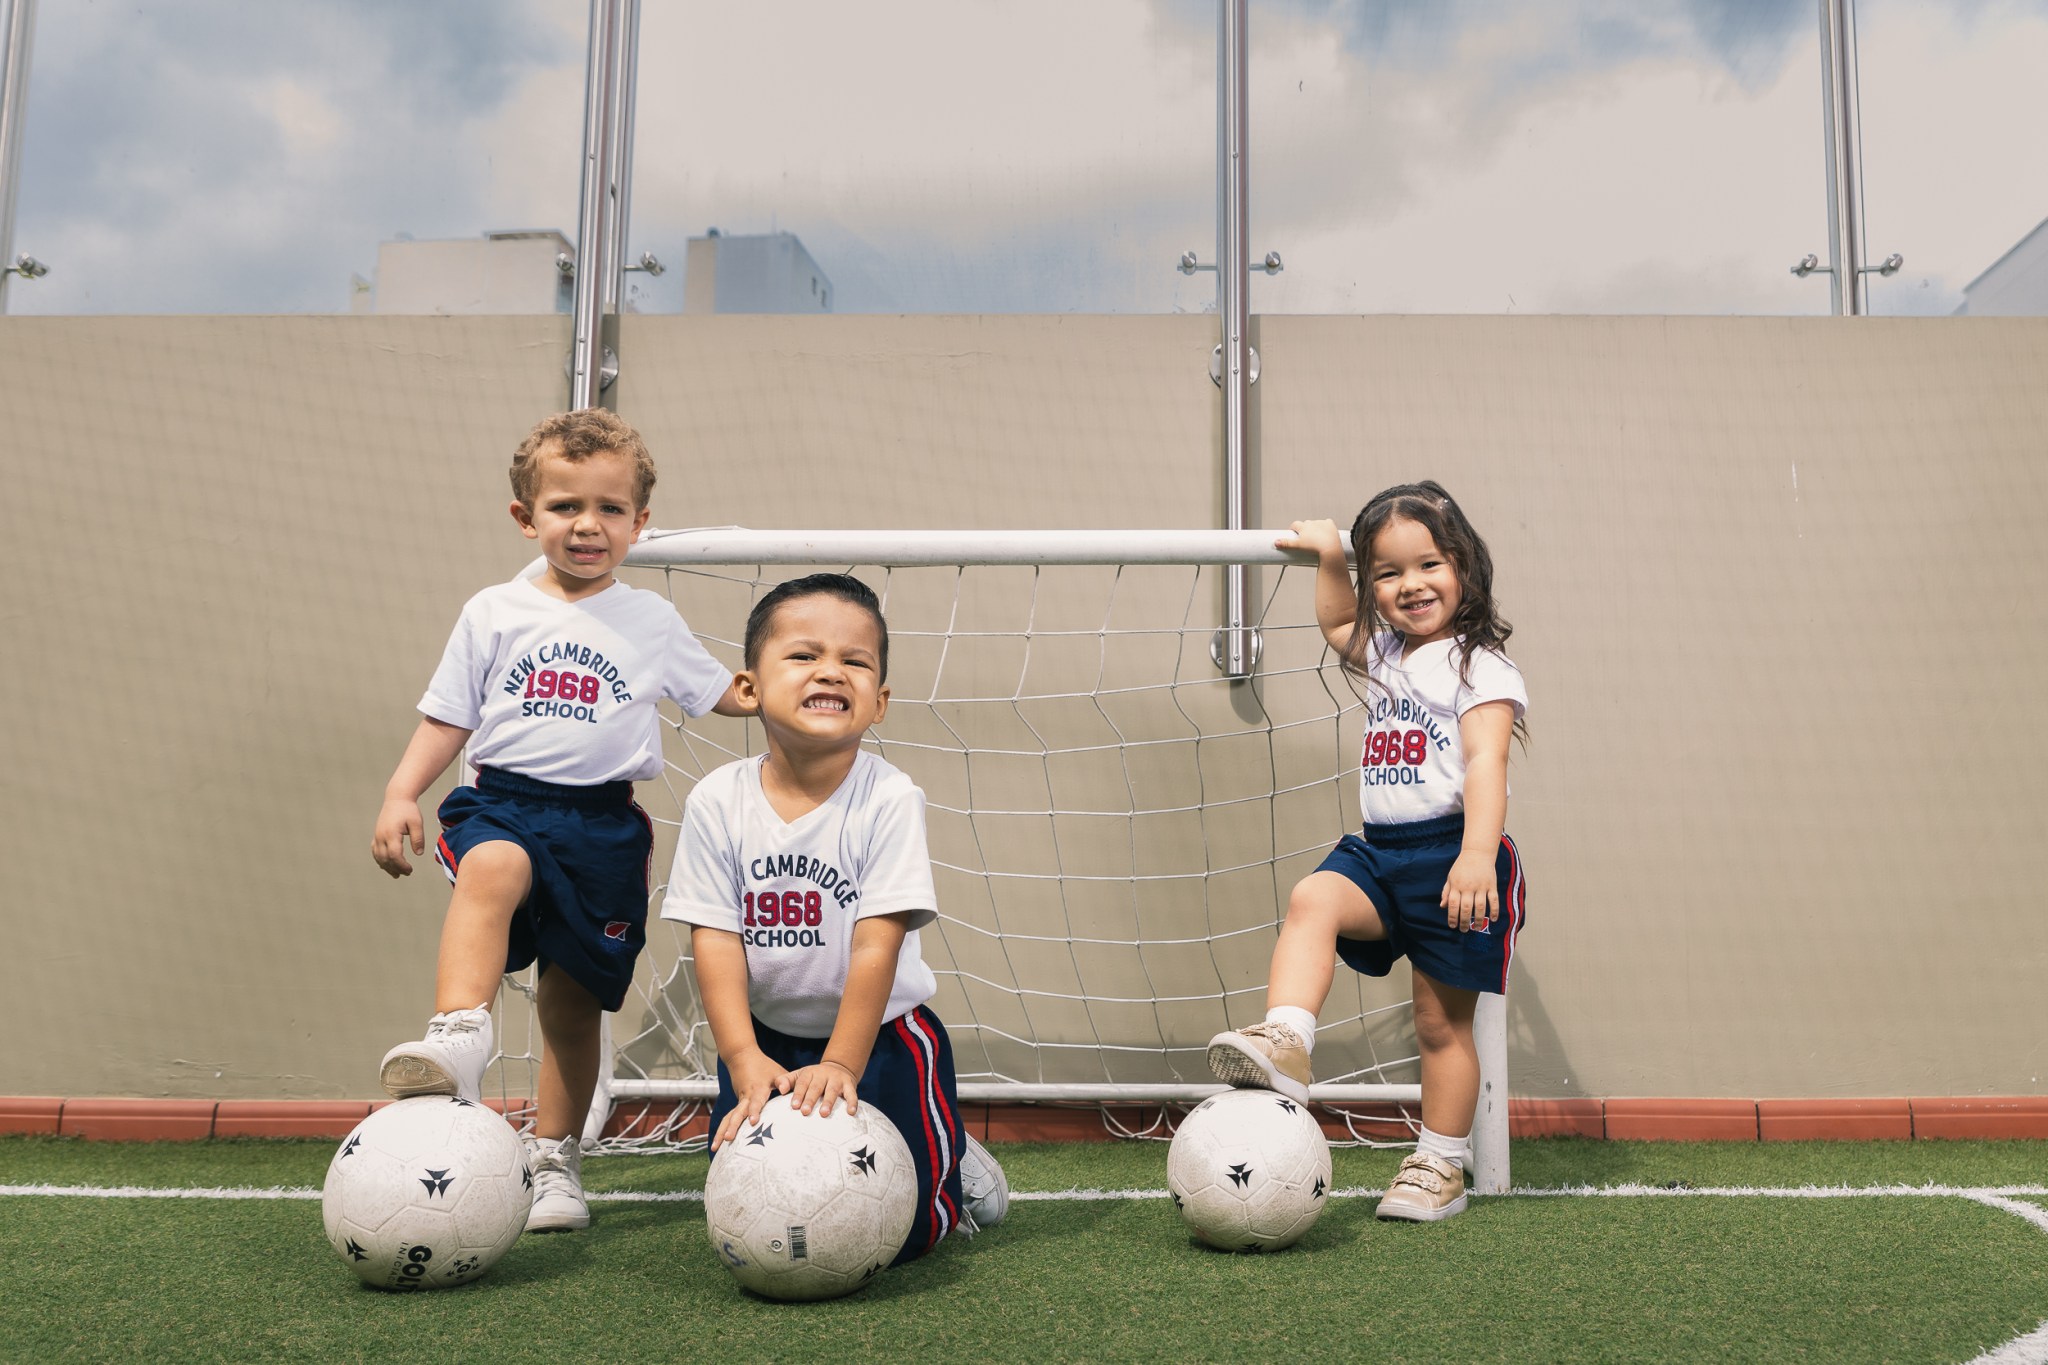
[501, 272]
[767, 272]
[2014, 285]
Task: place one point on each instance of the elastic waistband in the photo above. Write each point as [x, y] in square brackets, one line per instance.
[1441, 829]
[518, 784]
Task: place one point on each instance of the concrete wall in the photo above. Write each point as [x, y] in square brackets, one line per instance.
[1778, 585]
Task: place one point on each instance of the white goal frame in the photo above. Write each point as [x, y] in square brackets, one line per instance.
[887, 550]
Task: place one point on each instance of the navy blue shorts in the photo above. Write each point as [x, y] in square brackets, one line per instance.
[910, 1080]
[1402, 870]
[589, 846]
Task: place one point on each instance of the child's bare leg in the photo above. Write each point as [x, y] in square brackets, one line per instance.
[1450, 1060]
[1323, 907]
[570, 1020]
[490, 885]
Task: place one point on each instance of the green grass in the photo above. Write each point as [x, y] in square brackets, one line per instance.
[1696, 1278]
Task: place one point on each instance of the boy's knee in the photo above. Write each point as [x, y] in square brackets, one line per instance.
[498, 862]
[1307, 900]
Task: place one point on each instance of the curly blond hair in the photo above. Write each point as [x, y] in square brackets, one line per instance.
[576, 436]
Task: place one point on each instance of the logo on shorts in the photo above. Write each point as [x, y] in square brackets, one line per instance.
[616, 930]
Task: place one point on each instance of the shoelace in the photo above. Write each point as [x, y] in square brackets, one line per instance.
[1279, 1033]
[551, 1176]
[461, 1023]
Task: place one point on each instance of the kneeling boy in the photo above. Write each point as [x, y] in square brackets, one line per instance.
[805, 876]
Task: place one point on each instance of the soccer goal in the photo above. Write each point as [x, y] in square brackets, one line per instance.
[1115, 822]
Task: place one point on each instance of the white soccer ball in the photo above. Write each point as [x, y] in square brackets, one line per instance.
[1249, 1170]
[427, 1193]
[810, 1206]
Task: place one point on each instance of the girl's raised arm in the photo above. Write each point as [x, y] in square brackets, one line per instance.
[1336, 594]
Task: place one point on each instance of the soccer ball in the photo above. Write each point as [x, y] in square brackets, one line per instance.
[810, 1206]
[1249, 1170]
[427, 1193]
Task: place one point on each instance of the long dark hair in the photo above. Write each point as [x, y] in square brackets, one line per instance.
[1477, 623]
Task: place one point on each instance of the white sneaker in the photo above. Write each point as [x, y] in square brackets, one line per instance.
[983, 1185]
[558, 1203]
[450, 1060]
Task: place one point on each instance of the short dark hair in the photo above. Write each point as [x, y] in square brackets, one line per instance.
[843, 586]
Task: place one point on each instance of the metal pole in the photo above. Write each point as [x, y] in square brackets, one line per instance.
[1236, 650]
[594, 220]
[17, 27]
[623, 73]
[1845, 155]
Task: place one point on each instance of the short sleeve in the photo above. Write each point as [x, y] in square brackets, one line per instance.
[703, 882]
[1492, 678]
[898, 874]
[690, 676]
[455, 694]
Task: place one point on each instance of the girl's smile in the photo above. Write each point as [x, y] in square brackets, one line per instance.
[1414, 585]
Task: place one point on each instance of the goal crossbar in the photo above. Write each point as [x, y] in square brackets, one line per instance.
[935, 549]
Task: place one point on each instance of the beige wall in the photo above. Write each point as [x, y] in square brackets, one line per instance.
[1779, 588]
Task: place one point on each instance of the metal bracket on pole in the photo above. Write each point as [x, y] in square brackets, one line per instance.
[1809, 264]
[17, 32]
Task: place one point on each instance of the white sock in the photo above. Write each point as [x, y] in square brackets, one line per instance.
[1457, 1150]
[1298, 1019]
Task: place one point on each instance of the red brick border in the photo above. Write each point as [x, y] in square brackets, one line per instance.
[1853, 1120]
[1662, 1120]
[288, 1118]
[138, 1120]
[2011, 1116]
[1676, 1120]
[1557, 1118]
[29, 1114]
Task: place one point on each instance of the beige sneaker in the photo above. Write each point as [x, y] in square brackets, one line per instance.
[1263, 1057]
[1427, 1189]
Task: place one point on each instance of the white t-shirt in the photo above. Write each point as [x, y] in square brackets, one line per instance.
[1413, 765]
[792, 890]
[565, 691]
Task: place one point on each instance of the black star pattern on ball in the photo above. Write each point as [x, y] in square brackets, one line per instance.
[1286, 1105]
[356, 1251]
[526, 1174]
[1317, 1192]
[437, 1182]
[465, 1265]
[354, 1141]
[1176, 1199]
[1240, 1173]
[466, 1104]
[863, 1160]
[871, 1271]
[761, 1135]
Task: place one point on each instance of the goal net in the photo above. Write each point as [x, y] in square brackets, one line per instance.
[1114, 822]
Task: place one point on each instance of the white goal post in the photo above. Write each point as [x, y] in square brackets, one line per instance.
[1114, 823]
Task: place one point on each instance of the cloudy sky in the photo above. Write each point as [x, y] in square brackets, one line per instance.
[972, 155]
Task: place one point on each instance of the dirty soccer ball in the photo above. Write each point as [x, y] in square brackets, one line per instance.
[810, 1206]
[1249, 1170]
[427, 1193]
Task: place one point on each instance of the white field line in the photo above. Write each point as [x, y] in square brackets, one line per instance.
[2003, 1197]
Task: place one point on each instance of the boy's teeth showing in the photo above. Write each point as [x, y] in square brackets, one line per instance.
[825, 704]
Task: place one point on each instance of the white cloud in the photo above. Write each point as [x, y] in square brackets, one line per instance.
[1555, 155]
